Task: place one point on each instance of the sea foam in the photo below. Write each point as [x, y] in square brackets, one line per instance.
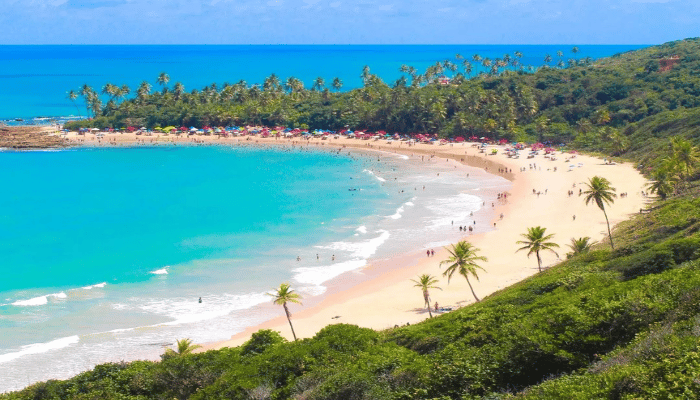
[40, 300]
[455, 208]
[37, 348]
[185, 311]
[359, 253]
[379, 178]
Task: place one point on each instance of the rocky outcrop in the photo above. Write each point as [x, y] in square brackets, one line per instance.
[30, 137]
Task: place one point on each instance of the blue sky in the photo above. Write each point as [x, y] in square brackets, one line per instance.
[347, 22]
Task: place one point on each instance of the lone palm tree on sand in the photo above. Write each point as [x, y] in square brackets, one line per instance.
[283, 295]
[600, 192]
[426, 282]
[463, 261]
[537, 241]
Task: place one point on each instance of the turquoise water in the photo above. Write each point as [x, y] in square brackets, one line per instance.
[104, 252]
[152, 207]
[34, 80]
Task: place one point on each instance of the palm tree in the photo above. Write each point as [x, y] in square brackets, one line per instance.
[547, 59]
[283, 295]
[365, 74]
[663, 183]
[178, 90]
[537, 241]
[318, 85]
[463, 261]
[426, 282]
[580, 245]
[143, 90]
[337, 84]
[600, 191]
[87, 92]
[72, 96]
[184, 347]
[163, 79]
[685, 154]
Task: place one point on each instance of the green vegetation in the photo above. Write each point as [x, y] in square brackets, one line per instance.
[426, 282]
[620, 323]
[463, 260]
[601, 193]
[536, 241]
[283, 295]
[580, 246]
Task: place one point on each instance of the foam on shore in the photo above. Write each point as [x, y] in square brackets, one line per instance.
[38, 348]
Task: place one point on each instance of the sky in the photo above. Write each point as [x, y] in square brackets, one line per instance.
[348, 22]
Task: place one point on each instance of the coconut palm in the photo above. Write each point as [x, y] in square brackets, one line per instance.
[463, 261]
[163, 79]
[337, 84]
[143, 90]
[580, 245]
[283, 295]
[600, 191]
[178, 90]
[547, 59]
[426, 282]
[685, 154]
[536, 241]
[72, 96]
[184, 347]
[318, 85]
[663, 183]
[87, 92]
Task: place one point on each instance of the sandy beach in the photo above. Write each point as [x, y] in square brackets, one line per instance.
[382, 295]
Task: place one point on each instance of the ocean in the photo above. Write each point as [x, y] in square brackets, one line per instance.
[34, 80]
[105, 252]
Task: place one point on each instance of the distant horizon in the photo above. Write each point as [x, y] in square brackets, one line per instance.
[342, 44]
[327, 22]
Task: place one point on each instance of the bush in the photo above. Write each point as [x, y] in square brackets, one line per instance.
[261, 341]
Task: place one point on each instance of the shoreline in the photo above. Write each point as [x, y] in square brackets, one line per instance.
[384, 296]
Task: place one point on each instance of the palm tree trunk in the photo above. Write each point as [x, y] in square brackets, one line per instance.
[426, 297]
[472, 289]
[286, 311]
[609, 233]
[539, 261]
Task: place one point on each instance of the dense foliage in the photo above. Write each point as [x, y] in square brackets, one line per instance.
[622, 323]
[602, 105]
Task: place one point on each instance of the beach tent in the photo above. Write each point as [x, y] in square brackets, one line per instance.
[459, 139]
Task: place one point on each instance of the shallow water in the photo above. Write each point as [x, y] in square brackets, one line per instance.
[107, 251]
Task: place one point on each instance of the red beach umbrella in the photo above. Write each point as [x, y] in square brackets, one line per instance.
[459, 139]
